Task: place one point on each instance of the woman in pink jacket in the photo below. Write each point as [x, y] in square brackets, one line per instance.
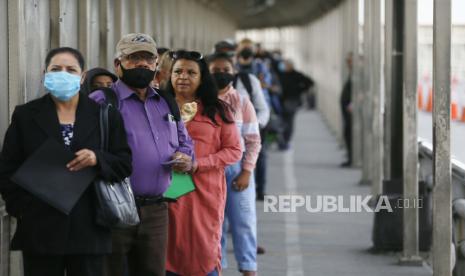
[240, 213]
[196, 219]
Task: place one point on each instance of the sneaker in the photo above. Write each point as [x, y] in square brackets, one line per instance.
[260, 250]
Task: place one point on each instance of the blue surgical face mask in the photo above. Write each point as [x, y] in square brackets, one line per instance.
[62, 85]
[282, 67]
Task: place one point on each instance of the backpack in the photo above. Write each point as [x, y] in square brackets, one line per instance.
[245, 79]
[112, 99]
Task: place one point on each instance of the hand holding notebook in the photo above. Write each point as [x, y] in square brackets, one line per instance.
[181, 184]
[45, 175]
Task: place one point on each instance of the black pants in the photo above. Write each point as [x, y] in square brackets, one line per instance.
[57, 265]
[288, 118]
[348, 135]
[141, 250]
[260, 171]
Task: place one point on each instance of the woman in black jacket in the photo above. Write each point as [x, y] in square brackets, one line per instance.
[52, 242]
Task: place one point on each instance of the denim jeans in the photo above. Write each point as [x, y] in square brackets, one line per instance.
[240, 215]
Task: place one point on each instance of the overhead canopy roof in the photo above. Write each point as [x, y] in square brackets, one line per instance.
[250, 14]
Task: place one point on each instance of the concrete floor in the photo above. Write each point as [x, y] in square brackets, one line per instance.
[328, 244]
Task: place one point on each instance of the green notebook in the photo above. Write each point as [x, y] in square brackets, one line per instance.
[181, 184]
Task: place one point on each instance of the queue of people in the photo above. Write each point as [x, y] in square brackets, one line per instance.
[207, 116]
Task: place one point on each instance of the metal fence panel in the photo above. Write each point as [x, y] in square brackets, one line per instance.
[69, 23]
[4, 241]
[4, 114]
[37, 44]
[89, 32]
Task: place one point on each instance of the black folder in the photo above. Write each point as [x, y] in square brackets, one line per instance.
[44, 174]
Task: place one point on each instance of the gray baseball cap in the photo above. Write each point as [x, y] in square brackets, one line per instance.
[136, 42]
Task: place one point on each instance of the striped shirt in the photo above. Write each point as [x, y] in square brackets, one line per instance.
[247, 124]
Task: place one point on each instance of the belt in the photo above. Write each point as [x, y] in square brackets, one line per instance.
[148, 200]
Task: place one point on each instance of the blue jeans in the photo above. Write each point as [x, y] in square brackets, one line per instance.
[241, 216]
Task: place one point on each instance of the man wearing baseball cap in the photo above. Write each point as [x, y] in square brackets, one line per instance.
[227, 46]
[156, 136]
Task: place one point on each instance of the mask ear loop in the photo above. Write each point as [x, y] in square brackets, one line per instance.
[43, 90]
[83, 77]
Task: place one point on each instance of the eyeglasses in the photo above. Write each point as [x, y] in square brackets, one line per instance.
[183, 54]
[138, 57]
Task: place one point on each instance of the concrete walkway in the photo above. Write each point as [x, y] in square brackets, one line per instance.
[327, 244]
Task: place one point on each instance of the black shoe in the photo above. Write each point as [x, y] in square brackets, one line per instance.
[260, 250]
[284, 147]
[346, 164]
[260, 197]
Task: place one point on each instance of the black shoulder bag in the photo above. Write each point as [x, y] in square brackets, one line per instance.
[116, 205]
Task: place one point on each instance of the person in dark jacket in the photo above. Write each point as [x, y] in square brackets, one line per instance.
[293, 84]
[96, 78]
[53, 243]
[346, 110]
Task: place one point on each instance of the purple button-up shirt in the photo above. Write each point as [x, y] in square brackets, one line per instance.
[152, 135]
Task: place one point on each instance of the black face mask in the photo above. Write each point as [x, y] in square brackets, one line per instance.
[137, 77]
[222, 79]
[246, 53]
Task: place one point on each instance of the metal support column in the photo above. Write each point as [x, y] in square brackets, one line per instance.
[16, 94]
[387, 87]
[367, 133]
[375, 91]
[4, 111]
[16, 60]
[442, 210]
[410, 178]
[397, 96]
[356, 88]
[387, 233]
